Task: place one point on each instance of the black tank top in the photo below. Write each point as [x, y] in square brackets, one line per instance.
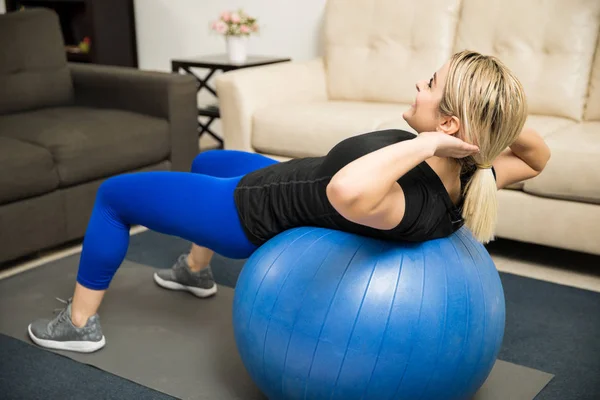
[293, 193]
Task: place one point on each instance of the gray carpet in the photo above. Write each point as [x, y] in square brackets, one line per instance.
[168, 341]
[27, 372]
[173, 342]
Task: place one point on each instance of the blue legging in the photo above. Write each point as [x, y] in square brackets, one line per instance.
[197, 206]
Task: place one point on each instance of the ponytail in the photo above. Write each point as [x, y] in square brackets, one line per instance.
[480, 208]
[490, 103]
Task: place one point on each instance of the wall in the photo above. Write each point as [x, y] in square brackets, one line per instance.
[2, 7]
[168, 29]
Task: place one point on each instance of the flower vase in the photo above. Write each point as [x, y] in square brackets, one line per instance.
[236, 49]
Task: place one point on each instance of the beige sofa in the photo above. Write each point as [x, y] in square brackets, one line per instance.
[376, 51]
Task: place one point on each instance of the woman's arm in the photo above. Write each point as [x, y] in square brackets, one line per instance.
[366, 190]
[524, 159]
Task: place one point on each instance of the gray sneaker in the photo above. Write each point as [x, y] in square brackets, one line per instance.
[181, 277]
[60, 333]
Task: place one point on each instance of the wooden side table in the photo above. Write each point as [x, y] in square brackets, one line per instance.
[214, 63]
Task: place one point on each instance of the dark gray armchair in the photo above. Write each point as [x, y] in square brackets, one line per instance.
[65, 128]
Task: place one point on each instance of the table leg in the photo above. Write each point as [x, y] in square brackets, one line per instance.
[203, 82]
[205, 128]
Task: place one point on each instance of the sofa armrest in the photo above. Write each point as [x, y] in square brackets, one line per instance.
[242, 92]
[162, 95]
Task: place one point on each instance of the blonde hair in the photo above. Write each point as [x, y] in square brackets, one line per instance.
[490, 103]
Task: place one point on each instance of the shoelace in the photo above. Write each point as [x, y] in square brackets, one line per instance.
[62, 313]
[182, 261]
[65, 302]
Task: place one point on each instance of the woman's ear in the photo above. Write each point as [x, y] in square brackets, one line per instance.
[449, 125]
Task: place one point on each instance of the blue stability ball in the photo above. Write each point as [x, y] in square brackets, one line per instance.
[323, 314]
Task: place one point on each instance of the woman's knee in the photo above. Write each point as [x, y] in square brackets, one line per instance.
[111, 188]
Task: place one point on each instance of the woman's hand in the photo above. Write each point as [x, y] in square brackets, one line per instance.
[445, 145]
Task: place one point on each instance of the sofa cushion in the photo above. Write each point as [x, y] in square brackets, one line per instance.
[592, 109]
[550, 47]
[26, 170]
[88, 143]
[312, 129]
[33, 64]
[572, 172]
[551, 222]
[377, 50]
[545, 125]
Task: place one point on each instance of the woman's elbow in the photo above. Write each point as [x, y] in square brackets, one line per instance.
[544, 158]
[538, 158]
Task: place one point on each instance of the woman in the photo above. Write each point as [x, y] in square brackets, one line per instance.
[387, 184]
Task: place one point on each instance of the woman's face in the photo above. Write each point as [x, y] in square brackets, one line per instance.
[423, 115]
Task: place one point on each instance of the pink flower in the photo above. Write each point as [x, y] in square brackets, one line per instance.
[244, 29]
[219, 27]
[225, 16]
[254, 28]
[235, 18]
